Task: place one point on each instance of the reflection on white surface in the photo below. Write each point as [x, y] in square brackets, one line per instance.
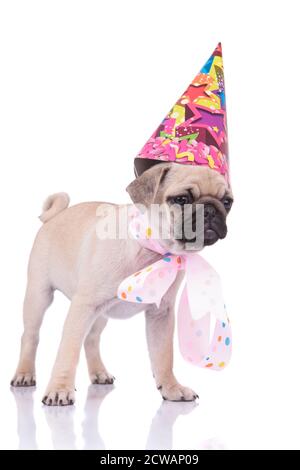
[212, 444]
[26, 427]
[90, 431]
[161, 429]
[60, 421]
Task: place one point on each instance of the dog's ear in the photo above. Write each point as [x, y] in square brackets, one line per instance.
[144, 188]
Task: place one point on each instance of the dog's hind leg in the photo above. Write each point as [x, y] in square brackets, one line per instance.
[38, 297]
[97, 370]
[61, 387]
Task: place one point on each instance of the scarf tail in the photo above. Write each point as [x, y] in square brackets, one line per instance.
[194, 336]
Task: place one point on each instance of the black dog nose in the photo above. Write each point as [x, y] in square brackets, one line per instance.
[209, 211]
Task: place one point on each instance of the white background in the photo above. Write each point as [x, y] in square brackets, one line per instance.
[82, 86]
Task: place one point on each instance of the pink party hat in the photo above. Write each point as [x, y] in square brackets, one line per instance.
[194, 132]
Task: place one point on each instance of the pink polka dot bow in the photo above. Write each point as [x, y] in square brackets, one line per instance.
[201, 300]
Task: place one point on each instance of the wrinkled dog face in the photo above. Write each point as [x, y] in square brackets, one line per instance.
[195, 201]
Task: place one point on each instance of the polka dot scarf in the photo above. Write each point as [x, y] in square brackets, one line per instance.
[201, 301]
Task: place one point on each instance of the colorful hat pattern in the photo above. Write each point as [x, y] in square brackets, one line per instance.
[194, 132]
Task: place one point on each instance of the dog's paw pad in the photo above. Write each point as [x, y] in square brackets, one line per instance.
[23, 380]
[59, 398]
[102, 378]
[177, 392]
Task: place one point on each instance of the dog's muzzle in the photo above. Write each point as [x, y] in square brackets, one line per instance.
[205, 229]
[214, 224]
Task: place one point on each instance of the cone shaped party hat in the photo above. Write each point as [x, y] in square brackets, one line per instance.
[194, 132]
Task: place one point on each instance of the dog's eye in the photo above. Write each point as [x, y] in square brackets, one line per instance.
[227, 203]
[181, 200]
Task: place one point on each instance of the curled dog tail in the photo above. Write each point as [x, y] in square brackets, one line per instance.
[53, 205]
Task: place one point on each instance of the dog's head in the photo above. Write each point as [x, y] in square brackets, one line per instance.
[177, 187]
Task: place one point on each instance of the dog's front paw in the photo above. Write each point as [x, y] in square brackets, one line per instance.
[102, 377]
[59, 396]
[23, 379]
[176, 392]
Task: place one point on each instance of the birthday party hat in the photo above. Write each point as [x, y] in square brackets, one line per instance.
[194, 132]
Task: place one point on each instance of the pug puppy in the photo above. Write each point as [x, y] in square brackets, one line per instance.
[68, 256]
